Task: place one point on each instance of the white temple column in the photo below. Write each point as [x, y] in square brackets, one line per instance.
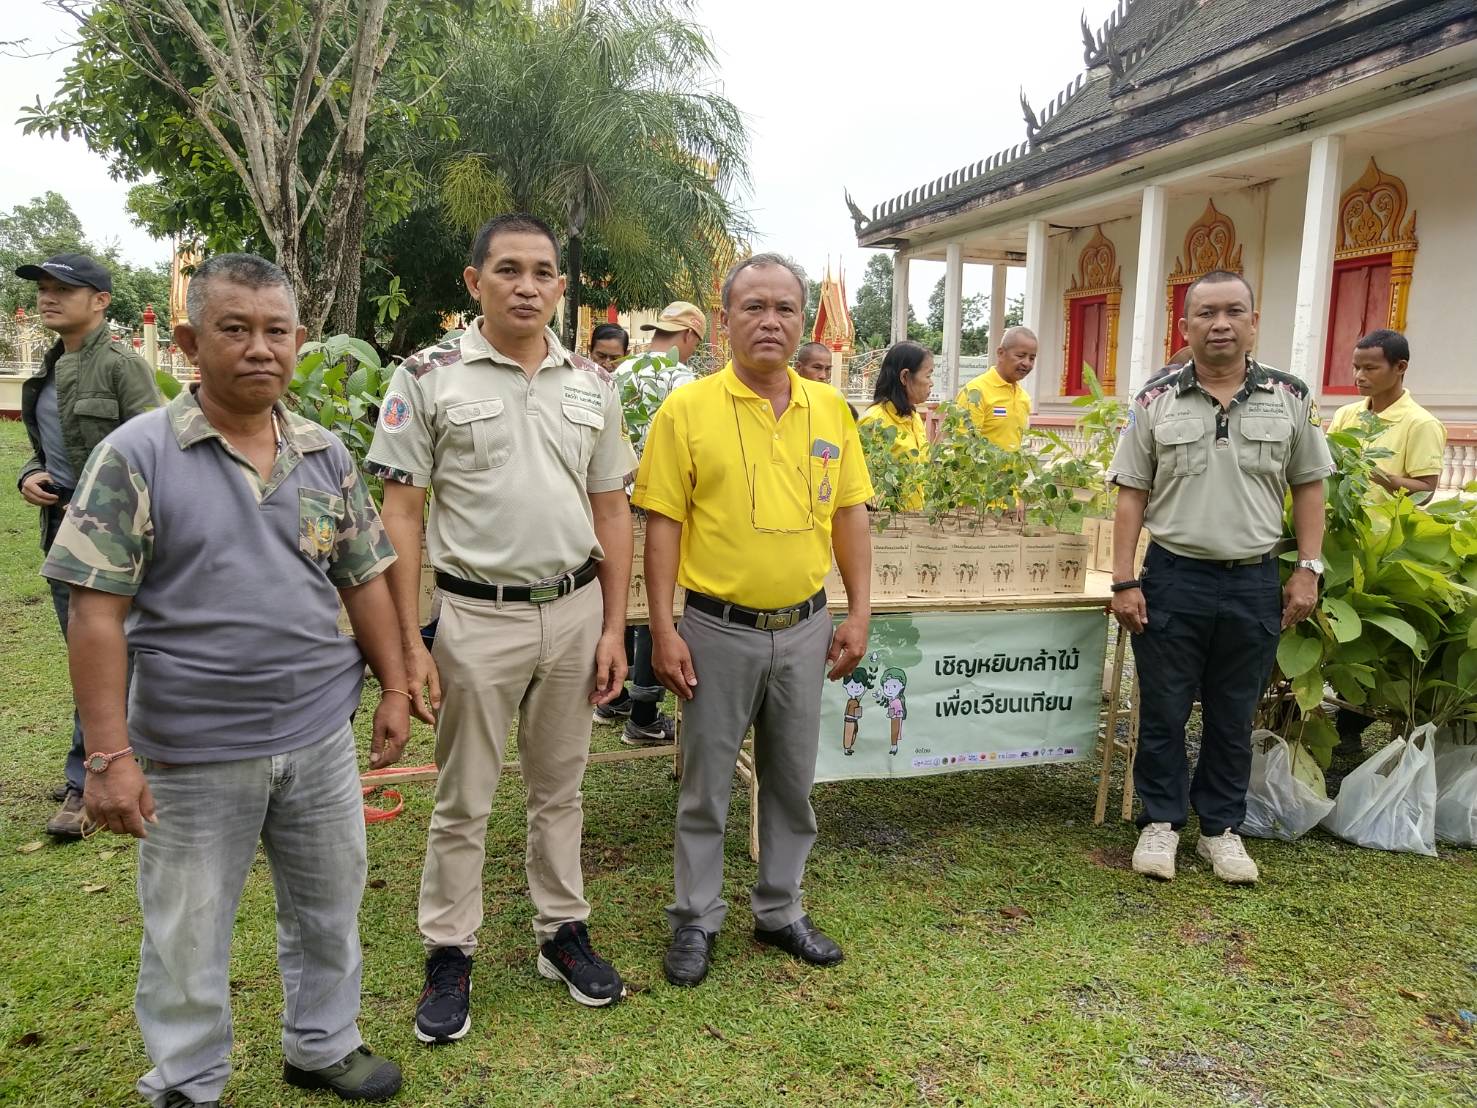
[899, 296]
[1315, 267]
[1146, 352]
[998, 272]
[953, 324]
[1033, 313]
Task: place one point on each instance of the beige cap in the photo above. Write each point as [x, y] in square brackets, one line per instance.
[679, 315]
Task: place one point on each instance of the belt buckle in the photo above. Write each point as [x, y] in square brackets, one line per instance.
[542, 594]
[778, 621]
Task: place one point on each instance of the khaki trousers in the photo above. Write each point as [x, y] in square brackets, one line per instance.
[535, 661]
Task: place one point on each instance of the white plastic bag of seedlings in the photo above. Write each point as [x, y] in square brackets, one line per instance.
[1389, 801]
[1287, 797]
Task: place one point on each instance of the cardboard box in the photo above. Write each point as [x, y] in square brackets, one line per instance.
[1139, 552]
[1000, 571]
[1090, 527]
[636, 602]
[930, 551]
[1105, 547]
[891, 556]
[1072, 560]
[834, 586]
[1038, 559]
[965, 573]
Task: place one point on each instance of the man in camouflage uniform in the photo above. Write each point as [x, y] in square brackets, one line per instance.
[212, 542]
[87, 386]
[1209, 454]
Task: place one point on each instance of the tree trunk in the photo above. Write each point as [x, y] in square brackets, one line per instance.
[348, 264]
[572, 293]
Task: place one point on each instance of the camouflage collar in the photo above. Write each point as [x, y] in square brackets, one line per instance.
[1256, 377]
[190, 426]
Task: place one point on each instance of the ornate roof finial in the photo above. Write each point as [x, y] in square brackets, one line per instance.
[858, 217]
[1032, 123]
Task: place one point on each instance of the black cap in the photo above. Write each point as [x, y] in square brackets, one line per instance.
[70, 269]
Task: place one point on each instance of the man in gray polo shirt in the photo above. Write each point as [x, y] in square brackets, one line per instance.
[211, 542]
[529, 532]
[1209, 453]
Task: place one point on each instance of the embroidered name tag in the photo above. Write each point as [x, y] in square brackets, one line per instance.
[585, 397]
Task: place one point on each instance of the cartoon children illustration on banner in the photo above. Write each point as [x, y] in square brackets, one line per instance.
[855, 684]
[892, 697]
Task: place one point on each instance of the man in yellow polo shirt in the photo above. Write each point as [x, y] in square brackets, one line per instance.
[753, 475]
[1415, 438]
[1416, 441]
[999, 406]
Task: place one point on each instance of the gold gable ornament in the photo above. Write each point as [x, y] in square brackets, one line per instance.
[1372, 222]
[1210, 243]
[1098, 274]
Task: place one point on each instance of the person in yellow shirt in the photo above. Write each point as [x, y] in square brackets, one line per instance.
[903, 383]
[754, 474]
[1417, 443]
[998, 405]
[1415, 438]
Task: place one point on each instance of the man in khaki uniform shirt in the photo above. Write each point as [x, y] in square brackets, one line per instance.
[523, 445]
[1205, 461]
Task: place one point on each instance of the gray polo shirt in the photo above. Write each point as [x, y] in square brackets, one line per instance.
[53, 445]
[1217, 476]
[233, 629]
[511, 460]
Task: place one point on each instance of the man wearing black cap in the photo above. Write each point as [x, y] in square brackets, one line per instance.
[87, 386]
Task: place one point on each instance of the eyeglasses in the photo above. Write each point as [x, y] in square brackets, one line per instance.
[751, 475]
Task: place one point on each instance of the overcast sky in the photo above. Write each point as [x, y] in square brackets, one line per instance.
[872, 97]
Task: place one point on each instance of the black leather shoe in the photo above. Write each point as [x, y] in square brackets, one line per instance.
[688, 956]
[803, 940]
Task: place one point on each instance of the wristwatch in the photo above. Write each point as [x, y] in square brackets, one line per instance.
[99, 763]
[1314, 564]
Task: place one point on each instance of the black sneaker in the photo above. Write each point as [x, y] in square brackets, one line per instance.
[659, 732]
[617, 710]
[441, 1014]
[568, 957]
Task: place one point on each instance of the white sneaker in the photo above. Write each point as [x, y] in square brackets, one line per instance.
[1154, 855]
[1228, 856]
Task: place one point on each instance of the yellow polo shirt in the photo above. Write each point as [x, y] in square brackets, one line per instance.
[911, 443]
[1002, 411]
[1415, 438]
[754, 494]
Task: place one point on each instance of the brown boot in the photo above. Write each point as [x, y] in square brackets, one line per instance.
[69, 819]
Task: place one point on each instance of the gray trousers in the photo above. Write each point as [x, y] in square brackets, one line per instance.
[306, 810]
[61, 597]
[771, 681]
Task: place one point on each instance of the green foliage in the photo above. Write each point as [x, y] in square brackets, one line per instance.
[871, 315]
[1100, 424]
[338, 384]
[1395, 630]
[966, 472]
[974, 321]
[896, 477]
[603, 119]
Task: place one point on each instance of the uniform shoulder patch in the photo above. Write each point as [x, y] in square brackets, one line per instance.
[579, 361]
[394, 413]
[1153, 390]
[1286, 382]
[443, 353]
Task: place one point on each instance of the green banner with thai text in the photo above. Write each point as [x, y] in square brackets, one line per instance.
[946, 691]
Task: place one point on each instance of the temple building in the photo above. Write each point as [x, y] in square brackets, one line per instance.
[833, 325]
[1325, 149]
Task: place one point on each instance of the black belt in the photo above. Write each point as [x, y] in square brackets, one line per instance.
[1225, 563]
[772, 619]
[533, 594]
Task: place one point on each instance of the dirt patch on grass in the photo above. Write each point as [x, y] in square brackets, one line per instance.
[1111, 857]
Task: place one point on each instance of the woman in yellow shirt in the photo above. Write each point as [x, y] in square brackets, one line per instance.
[903, 383]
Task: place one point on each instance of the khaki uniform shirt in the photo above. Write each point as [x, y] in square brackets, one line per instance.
[511, 460]
[1217, 476]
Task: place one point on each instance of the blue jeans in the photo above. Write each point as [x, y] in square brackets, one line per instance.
[1212, 633]
[61, 601]
[306, 810]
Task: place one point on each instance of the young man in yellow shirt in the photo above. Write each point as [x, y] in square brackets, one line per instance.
[1415, 438]
[999, 406]
[1416, 441]
[755, 475]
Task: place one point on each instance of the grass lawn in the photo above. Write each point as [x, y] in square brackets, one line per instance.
[999, 951]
